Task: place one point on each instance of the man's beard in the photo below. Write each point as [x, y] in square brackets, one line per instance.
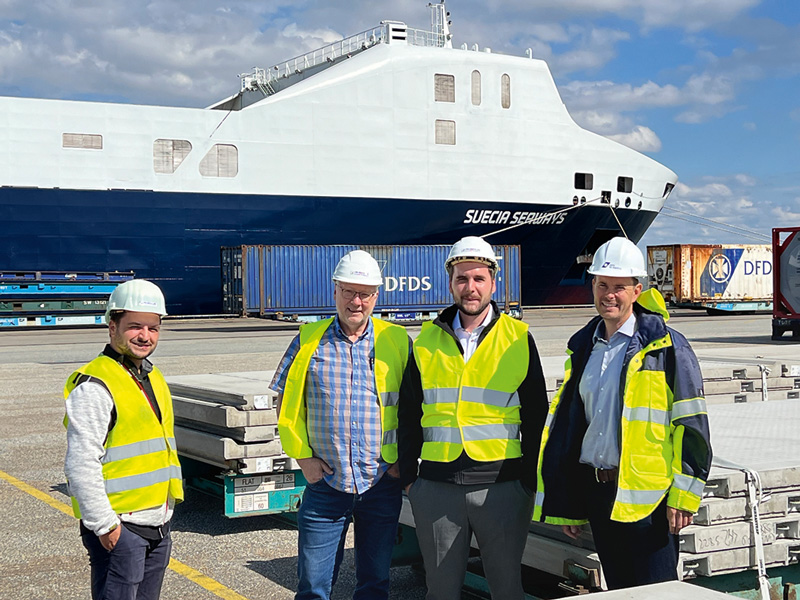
[471, 313]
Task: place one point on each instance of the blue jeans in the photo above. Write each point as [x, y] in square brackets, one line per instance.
[323, 520]
[133, 570]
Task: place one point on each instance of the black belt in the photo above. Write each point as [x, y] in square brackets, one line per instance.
[143, 531]
[147, 532]
[606, 475]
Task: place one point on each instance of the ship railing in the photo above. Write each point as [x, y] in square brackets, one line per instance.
[388, 32]
[263, 78]
[421, 37]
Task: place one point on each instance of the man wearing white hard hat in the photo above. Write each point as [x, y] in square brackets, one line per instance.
[626, 446]
[472, 408]
[122, 464]
[338, 383]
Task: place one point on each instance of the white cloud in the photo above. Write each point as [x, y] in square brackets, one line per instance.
[606, 94]
[784, 214]
[604, 122]
[640, 138]
[593, 48]
[317, 37]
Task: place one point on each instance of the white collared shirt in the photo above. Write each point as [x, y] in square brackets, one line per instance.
[467, 339]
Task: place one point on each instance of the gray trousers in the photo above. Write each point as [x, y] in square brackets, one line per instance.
[447, 515]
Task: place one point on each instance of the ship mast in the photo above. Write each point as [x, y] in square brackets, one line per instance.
[440, 23]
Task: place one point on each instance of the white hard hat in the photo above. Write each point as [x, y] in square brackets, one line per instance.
[618, 257]
[472, 249]
[138, 295]
[359, 267]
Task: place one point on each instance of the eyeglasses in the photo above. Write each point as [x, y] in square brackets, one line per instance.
[351, 294]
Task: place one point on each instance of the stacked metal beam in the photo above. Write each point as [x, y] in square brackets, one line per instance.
[229, 420]
[728, 381]
[762, 436]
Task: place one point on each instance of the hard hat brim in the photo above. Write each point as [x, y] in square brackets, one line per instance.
[478, 259]
[356, 281]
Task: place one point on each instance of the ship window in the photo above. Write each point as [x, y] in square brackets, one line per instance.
[505, 91]
[169, 154]
[625, 184]
[584, 181]
[444, 87]
[476, 88]
[445, 132]
[221, 161]
[82, 140]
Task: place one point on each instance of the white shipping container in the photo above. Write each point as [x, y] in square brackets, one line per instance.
[721, 276]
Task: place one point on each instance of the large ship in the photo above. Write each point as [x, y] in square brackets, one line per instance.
[390, 136]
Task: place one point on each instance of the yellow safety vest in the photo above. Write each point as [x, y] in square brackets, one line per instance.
[473, 406]
[391, 356]
[140, 465]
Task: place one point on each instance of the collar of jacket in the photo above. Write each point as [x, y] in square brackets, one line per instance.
[650, 327]
[147, 366]
[448, 315]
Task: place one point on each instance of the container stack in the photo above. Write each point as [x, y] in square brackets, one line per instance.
[229, 420]
[41, 298]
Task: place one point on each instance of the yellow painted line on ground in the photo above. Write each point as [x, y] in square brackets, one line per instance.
[39, 495]
[205, 582]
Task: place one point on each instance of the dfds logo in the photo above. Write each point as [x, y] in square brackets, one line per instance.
[719, 268]
[407, 284]
[757, 267]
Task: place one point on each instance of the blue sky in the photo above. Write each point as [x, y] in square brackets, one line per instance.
[709, 88]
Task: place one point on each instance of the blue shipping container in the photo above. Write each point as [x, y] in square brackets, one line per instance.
[296, 280]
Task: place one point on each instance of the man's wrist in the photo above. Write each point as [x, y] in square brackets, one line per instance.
[110, 529]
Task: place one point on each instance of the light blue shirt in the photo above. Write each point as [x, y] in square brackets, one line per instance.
[599, 389]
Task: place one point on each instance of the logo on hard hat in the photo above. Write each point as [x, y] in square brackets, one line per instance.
[609, 265]
[147, 303]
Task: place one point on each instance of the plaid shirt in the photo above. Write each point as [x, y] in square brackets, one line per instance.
[343, 413]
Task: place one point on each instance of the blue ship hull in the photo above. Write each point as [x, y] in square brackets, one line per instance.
[175, 238]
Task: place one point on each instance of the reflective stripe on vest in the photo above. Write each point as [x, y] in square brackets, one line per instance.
[140, 464]
[474, 406]
[688, 408]
[688, 484]
[391, 356]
